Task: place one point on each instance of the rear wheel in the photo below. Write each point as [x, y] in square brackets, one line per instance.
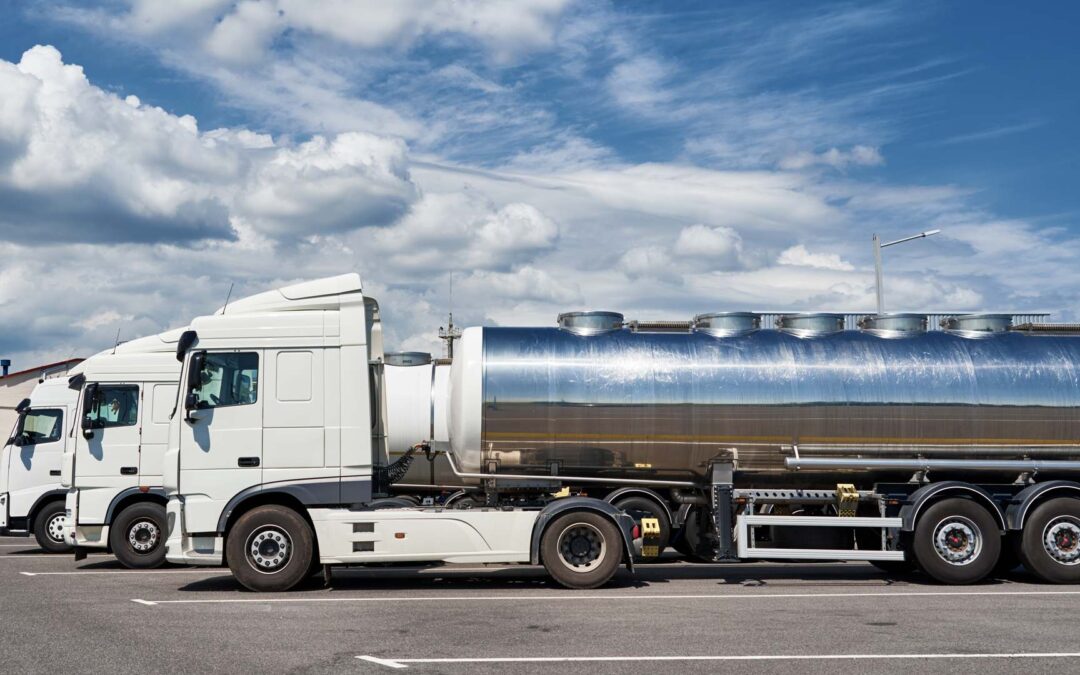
[49, 528]
[642, 507]
[137, 536]
[957, 541]
[1050, 542]
[581, 549]
[270, 549]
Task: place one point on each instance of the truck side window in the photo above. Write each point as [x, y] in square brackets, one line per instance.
[228, 379]
[115, 406]
[40, 426]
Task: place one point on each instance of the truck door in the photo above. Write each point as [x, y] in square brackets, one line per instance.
[221, 439]
[34, 462]
[158, 400]
[110, 457]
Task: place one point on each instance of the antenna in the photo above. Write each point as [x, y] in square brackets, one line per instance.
[116, 343]
[227, 296]
[450, 333]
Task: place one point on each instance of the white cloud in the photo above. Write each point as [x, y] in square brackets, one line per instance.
[859, 155]
[798, 256]
[721, 245]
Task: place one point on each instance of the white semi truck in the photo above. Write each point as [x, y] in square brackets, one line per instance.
[31, 494]
[112, 466]
[945, 450]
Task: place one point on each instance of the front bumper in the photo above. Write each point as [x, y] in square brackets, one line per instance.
[182, 549]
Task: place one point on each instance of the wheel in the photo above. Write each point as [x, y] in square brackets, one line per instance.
[49, 528]
[1050, 541]
[957, 541]
[693, 537]
[270, 548]
[581, 549]
[138, 534]
[643, 507]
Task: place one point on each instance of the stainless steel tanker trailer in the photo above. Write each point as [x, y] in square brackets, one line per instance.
[951, 450]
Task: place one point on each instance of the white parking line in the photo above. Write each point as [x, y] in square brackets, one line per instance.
[51, 556]
[126, 571]
[577, 597]
[404, 663]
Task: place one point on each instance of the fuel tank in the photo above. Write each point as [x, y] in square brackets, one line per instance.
[608, 401]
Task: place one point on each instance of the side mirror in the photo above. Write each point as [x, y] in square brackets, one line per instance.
[193, 382]
[90, 395]
[23, 406]
[76, 381]
[187, 339]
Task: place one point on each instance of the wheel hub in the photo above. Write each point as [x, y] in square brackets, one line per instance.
[269, 549]
[957, 541]
[1061, 539]
[55, 527]
[581, 547]
[143, 536]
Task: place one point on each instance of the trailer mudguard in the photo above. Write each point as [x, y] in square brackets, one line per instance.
[560, 506]
[923, 496]
[1022, 503]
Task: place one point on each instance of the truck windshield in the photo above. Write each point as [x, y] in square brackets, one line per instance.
[40, 426]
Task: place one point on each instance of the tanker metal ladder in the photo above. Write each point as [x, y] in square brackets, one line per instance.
[743, 547]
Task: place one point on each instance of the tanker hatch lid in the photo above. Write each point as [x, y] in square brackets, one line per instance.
[811, 324]
[976, 325]
[894, 325]
[590, 323]
[722, 324]
[407, 359]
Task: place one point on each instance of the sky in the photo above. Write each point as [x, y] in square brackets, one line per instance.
[658, 159]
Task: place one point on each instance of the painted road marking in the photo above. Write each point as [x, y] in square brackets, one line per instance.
[405, 663]
[572, 596]
[57, 557]
[62, 574]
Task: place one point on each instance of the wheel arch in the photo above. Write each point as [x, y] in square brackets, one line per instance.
[41, 502]
[622, 522]
[134, 495]
[1033, 495]
[922, 498]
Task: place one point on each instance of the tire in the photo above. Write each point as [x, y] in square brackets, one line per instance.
[49, 528]
[1050, 541]
[643, 507]
[968, 537]
[693, 538]
[137, 536]
[270, 548]
[581, 549]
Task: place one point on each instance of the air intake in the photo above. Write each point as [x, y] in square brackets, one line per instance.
[407, 359]
[978, 324]
[894, 325]
[590, 323]
[811, 324]
[725, 324]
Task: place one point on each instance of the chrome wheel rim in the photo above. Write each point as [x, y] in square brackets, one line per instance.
[582, 547]
[269, 549]
[55, 528]
[957, 540]
[143, 536]
[1061, 540]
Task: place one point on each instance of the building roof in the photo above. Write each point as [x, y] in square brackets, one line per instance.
[38, 369]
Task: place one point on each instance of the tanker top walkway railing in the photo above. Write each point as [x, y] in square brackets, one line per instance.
[934, 319]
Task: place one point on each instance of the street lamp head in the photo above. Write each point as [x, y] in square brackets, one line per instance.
[930, 232]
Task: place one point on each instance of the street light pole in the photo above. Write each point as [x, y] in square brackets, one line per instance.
[879, 283]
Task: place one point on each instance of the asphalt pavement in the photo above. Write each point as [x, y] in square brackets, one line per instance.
[94, 616]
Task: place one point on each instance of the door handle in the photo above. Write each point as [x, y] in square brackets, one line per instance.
[129, 470]
[247, 461]
[54, 472]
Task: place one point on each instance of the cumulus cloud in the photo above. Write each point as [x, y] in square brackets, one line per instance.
[859, 155]
[799, 256]
[81, 164]
[721, 245]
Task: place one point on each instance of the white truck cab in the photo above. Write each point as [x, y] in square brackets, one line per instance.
[277, 459]
[113, 467]
[31, 494]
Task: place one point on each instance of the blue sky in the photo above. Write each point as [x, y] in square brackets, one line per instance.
[652, 158]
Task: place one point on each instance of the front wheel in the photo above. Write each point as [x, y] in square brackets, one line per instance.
[581, 549]
[270, 548]
[1050, 542]
[49, 528]
[137, 536]
[957, 542]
